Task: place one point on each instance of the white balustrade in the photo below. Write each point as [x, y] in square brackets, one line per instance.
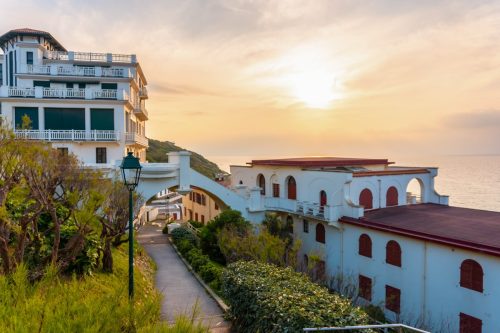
[34, 69]
[113, 72]
[63, 93]
[21, 92]
[105, 94]
[132, 138]
[68, 135]
[304, 208]
[90, 56]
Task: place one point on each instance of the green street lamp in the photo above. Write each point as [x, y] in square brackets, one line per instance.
[131, 172]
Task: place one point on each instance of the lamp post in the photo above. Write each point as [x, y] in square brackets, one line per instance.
[131, 171]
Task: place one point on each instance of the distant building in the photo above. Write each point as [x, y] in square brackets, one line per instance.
[421, 260]
[86, 103]
[199, 207]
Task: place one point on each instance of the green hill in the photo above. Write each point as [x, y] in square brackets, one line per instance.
[157, 153]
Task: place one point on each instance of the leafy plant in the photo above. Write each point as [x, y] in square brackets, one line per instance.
[267, 298]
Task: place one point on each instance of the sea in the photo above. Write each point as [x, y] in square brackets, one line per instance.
[471, 181]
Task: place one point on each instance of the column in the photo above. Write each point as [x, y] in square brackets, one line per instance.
[41, 119]
[87, 123]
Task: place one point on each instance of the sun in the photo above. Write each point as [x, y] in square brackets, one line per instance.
[314, 88]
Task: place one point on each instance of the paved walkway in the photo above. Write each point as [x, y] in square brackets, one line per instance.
[181, 291]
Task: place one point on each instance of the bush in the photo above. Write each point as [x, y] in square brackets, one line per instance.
[199, 261]
[183, 234]
[184, 246]
[196, 224]
[267, 298]
[210, 272]
[165, 229]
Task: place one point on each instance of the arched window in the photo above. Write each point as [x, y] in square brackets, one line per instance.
[322, 198]
[261, 182]
[292, 188]
[391, 197]
[393, 253]
[366, 199]
[320, 233]
[365, 246]
[471, 275]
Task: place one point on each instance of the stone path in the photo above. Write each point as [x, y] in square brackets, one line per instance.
[181, 291]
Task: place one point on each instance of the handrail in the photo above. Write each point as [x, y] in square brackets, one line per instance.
[365, 327]
[67, 135]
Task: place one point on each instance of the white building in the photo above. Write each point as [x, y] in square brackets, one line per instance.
[421, 260]
[89, 104]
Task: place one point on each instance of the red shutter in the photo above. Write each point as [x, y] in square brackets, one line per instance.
[322, 198]
[365, 246]
[276, 190]
[469, 324]
[471, 275]
[392, 299]
[292, 188]
[393, 253]
[320, 233]
[366, 199]
[365, 287]
[392, 196]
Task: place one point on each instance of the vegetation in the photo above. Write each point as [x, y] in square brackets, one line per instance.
[157, 152]
[208, 270]
[97, 303]
[267, 298]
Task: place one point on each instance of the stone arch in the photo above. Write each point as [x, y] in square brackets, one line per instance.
[415, 191]
[261, 182]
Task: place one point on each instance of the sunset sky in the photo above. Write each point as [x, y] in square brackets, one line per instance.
[281, 78]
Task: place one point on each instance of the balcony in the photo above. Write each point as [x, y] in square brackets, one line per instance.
[140, 111]
[136, 139]
[64, 93]
[90, 57]
[68, 135]
[80, 71]
[143, 93]
[303, 208]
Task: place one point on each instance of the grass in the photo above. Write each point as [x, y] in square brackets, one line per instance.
[96, 303]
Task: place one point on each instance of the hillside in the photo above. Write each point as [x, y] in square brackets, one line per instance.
[157, 153]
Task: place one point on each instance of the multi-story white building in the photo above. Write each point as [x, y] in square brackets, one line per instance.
[86, 103]
[422, 261]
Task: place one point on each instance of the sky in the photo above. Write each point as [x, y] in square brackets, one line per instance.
[294, 78]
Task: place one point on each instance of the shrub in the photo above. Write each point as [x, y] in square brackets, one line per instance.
[165, 229]
[198, 261]
[210, 272]
[267, 298]
[184, 246]
[193, 253]
[196, 224]
[183, 234]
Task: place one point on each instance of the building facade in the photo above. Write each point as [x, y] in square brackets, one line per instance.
[199, 206]
[423, 262]
[86, 103]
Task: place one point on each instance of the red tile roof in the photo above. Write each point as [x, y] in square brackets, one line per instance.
[310, 162]
[31, 32]
[471, 229]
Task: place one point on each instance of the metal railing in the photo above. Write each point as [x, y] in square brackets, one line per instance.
[385, 328]
[68, 135]
[136, 138]
[143, 92]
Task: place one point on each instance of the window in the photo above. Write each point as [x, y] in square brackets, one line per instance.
[469, 324]
[471, 275]
[203, 200]
[393, 253]
[365, 246]
[291, 188]
[44, 84]
[111, 86]
[102, 119]
[216, 206]
[305, 226]
[191, 196]
[20, 113]
[276, 190]
[322, 198]
[366, 199]
[261, 182]
[365, 287]
[63, 151]
[391, 197]
[203, 219]
[196, 217]
[392, 299]
[100, 155]
[65, 118]
[190, 215]
[29, 58]
[320, 233]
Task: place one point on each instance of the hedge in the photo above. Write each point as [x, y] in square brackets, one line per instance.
[267, 298]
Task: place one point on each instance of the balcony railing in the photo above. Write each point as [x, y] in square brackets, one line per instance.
[140, 111]
[68, 135]
[85, 71]
[90, 57]
[143, 92]
[70, 93]
[135, 138]
[303, 208]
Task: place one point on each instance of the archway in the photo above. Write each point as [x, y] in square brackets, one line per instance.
[366, 199]
[415, 192]
[261, 182]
